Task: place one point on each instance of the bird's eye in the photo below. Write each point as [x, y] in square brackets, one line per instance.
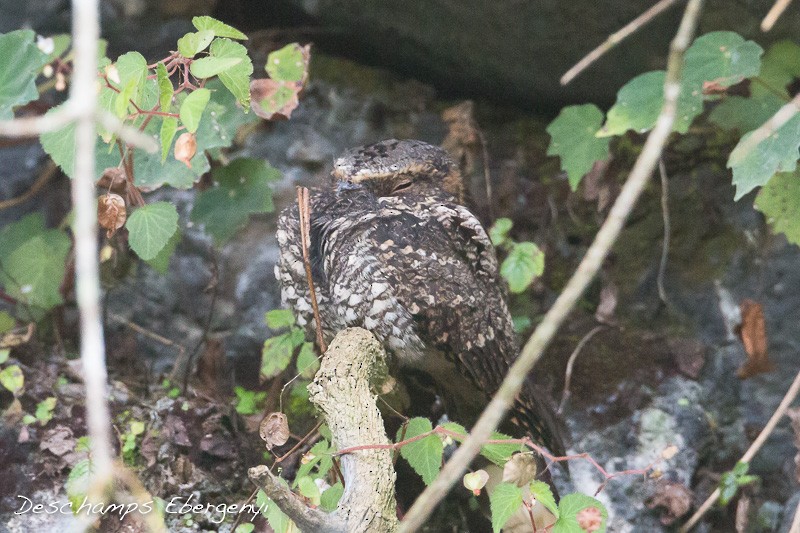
[402, 186]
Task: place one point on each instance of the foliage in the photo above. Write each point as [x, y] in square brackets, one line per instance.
[276, 356]
[424, 455]
[714, 63]
[731, 481]
[192, 102]
[524, 262]
[248, 402]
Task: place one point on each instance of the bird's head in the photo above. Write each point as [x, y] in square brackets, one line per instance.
[395, 168]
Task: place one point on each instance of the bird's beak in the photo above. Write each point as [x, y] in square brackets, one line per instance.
[348, 186]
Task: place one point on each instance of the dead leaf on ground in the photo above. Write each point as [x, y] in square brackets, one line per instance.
[753, 334]
[689, 355]
[58, 440]
[673, 497]
[274, 430]
[17, 336]
[211, 368]
[608, 304]
[597, 186]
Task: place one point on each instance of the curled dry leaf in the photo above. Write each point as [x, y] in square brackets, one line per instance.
[17, 336]
[669, 452]
[753, 333]
[113, 180]
[58, 440]
[674, 497]
[111, 213]
[475, 481]
[185, 148]
[520, 469]
[274, 430]
[589, 519]
[608, 304]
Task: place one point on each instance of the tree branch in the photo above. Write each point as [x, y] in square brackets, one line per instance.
[342, 390]
[584, 274]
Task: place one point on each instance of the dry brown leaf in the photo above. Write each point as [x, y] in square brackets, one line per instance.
[274, 430]
[113, 180]
[274, 100]
[185, 148]
[520, 469]
[111, 213]
[589, 519]
[608, 304]
[713, 87]
[675, 498]
[753, 333]
[211, 368]
[58, 440]
[17, 336]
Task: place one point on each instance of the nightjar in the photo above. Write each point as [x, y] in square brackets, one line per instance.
[394, 251]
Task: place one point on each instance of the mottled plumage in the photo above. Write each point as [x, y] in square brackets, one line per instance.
[395, 252]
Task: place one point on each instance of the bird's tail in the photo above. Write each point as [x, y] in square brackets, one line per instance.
[534, 415]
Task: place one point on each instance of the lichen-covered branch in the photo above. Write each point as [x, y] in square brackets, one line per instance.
[352, 367]
[306, 518]
[343, 393]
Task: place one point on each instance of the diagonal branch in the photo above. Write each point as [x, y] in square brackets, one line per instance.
[588, 268]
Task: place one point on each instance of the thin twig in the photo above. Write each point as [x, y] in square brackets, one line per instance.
[33, 126]
[585, 273]
[788, 398]
[487, 177]
[214, 285]
[571, 363]
[795, 528]
[616, 38]
[662, 266]
[781, 117]
[83, 99]
[41, 181]
[304, 208]
[147, 333]
[129, 134]
[775, 12]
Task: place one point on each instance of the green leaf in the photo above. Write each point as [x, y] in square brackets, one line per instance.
[723, 57]
[165, 88]
[132, 68]
[569, 507]
[160, 263]
[193, 43]
[309, 489]
[745, 114]
[425, 455]
[277, 352]
[241, 189]
[168, 129]
[544, 495]
[20, 63]
[639, 103]
[4, 352]
[574, 139]
[779, 200]
[279, 318]
[248, 401]
[498, 233]
[286, 64]
[307, 361]
[504, 501]
[44, 410]
[122, 101]
[330, 498]
[727, 488]
[237, 77]
[150, 228]
[192, 108]
[499, 454]
[245, 528]
[32, 259]
[779, 68]
[219, 28]
[754, 167]
[77, 485]
[525, 262]
[7, 323]
[319, 454]
[11, 378]
[278, 521]
[455, 427]
[211, 66]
